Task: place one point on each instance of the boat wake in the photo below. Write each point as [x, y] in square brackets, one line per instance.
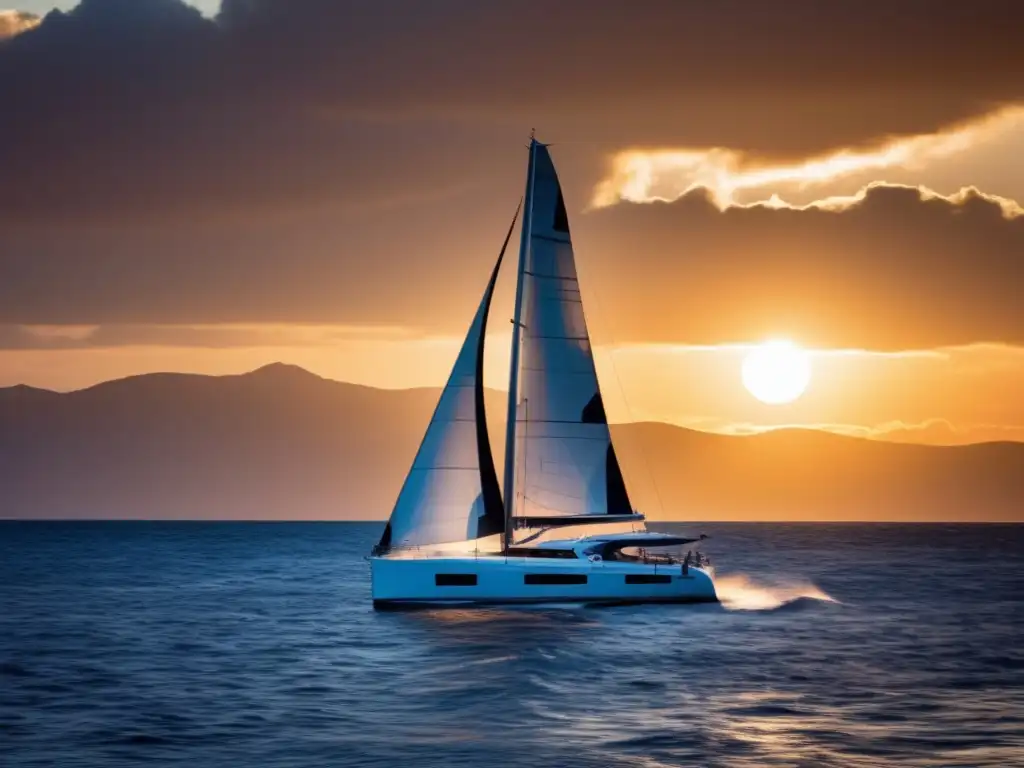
[738, 592]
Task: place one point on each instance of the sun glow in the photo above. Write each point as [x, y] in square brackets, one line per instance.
[776, 372]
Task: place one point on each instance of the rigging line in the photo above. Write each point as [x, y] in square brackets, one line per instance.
[622, 392]
[526, 443]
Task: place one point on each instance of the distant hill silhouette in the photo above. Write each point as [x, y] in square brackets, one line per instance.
[282, 443]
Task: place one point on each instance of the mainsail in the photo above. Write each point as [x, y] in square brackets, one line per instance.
[451, 494]
[565, 466]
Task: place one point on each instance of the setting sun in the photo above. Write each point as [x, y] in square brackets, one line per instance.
[776, 372]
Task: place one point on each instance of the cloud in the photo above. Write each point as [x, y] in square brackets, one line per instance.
[735, 178]
[125, 107]
[13, 23]
[334, 162]
[1010, 209]
[48, 334]
[896, 270]
[201, 336]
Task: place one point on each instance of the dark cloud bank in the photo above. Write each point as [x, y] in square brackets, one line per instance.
[339, 161]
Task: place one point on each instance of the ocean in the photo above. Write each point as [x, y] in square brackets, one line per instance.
[247, 644]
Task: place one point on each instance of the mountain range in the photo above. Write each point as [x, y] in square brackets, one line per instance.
[283, 443]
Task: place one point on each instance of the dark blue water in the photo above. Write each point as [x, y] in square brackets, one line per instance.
[213, 645]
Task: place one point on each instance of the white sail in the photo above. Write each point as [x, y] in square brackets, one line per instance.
[565, 464]
[451, 493]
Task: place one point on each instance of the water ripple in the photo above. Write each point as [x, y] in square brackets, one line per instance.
[228, 645]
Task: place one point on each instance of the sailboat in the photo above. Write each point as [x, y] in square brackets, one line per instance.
[564, 530]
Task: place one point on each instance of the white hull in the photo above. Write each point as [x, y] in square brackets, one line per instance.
[495, 579]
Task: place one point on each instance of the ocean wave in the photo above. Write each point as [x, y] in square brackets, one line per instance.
[740, 592]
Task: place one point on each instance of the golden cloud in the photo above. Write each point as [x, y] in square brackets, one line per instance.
[13, 23]
[60, 332]
[833, 181]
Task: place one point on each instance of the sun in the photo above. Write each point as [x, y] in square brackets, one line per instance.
[776, 372]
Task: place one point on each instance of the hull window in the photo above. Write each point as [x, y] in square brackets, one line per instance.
[537, 579]
[647, 578]
[560, 554]
[455, 579]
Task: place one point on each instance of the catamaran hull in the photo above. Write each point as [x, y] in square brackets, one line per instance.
[411, 582]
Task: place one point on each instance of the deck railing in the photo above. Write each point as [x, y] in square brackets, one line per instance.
[697, 559]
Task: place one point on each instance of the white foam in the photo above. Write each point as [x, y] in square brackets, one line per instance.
[739, 592]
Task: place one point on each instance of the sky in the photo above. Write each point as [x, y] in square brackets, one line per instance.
[42, 7]
[327, 183]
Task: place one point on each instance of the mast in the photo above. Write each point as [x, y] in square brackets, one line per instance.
[513, 383]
